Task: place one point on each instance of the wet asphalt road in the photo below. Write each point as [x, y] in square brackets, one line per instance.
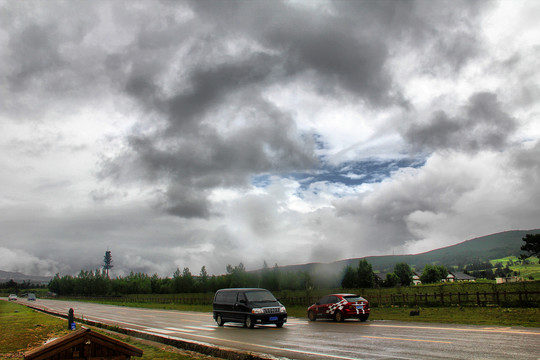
[301, 339]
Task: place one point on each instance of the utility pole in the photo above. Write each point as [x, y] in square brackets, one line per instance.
[107, 262]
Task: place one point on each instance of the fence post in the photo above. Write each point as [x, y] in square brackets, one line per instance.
[459, 298]
[477, 298]
[498, 299]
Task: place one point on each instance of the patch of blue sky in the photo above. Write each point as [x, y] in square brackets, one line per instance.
[348, 174]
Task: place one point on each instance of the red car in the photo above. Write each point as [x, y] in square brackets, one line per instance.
[339, 307]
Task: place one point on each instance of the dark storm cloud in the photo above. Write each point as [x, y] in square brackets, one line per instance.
[214, 86]
[481, 124]
[186, 202]
[196, 164]
[336, 53]
[40, 61]
[446, 32]
[35, 52]
[329, 50]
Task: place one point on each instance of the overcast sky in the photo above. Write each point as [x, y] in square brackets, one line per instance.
[191, 133]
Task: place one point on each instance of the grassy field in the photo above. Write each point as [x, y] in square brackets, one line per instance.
[456, 315]
[22, 329]
[525, 271]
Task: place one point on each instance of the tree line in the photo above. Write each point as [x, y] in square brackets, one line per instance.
[363, 276]
[98, 283]
[14, 287]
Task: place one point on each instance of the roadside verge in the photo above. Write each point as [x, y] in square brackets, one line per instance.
[190, 345]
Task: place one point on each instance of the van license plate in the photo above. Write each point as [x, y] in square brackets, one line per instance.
[360, 307]
[273, 318]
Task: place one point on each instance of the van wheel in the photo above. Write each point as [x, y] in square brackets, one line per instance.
[364, 317]
[311, 315]
[339, 317]
[279, 325]
[248, 322]
[219, 320]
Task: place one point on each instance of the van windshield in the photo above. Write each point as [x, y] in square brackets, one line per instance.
[260, 296]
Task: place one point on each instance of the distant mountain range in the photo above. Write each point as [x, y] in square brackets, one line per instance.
[18, 277]
[483, 248]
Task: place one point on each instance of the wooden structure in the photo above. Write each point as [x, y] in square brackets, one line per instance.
[84, 344]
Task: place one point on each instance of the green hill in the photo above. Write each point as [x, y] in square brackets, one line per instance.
[484, 248]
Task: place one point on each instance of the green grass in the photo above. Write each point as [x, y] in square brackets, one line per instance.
[525, 271]
[154, 350]
[23, 329]
[463, 315]
[451, 315]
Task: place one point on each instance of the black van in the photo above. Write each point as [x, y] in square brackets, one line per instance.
[248, 306]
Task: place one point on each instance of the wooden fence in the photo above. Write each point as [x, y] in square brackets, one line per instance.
[497, 298]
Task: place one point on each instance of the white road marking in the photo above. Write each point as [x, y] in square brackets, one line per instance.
[200, 328]
[160, 331]
[172, 330]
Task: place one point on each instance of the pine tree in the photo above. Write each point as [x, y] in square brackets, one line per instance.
[107, 262]
[365, 279]
[531, 246]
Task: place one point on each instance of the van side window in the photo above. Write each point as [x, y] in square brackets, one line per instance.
[220, 297]
[229, 297]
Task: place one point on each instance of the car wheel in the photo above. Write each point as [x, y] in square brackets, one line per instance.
[311, 315]
[339, 316]
[248, 322]
[363, 317]
[279, 324]
[219, 320]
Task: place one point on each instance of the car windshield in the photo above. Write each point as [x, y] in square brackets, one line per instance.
[260, 296]
[354, 298]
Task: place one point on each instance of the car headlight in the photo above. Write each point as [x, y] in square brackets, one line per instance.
[282, 309]
[257, 311]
